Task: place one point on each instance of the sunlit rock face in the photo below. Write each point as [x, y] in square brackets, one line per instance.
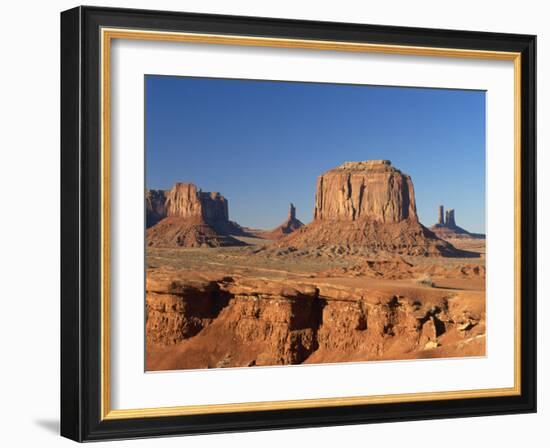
[184, 200]
[185, 216]
[366, 208]
[371, 190]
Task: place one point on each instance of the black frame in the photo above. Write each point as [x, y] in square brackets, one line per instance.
[80, 224]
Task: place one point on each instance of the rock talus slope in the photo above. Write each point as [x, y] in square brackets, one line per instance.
[368, 205]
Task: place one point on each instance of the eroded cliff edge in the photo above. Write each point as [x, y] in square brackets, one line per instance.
[209, 321]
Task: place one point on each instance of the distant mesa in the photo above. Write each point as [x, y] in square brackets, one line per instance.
[371, 205]
[286, 228]
[188, 217]
[446, 227]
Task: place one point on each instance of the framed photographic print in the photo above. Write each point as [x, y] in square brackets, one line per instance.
[273, 223]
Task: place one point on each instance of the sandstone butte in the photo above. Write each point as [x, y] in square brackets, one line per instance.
[186, 216]
[373, 190]
[360, 207]
[370, 204]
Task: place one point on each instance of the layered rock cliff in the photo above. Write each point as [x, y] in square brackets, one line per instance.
[187, 216]
[367, 207]
[184, 200]
[233, 321]
[372, 190]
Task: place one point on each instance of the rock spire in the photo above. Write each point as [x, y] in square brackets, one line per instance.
[440, 215]
[291, 212]
[447, 229]
[450, 218]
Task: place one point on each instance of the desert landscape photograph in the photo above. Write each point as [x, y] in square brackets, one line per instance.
[291, 223]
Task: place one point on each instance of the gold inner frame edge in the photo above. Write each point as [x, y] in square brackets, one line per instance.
[107, 35]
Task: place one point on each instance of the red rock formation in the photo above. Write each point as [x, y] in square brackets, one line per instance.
[173, 231]
[194, 322]
[449, 230]
[185, 201]
[368, 205]
[290, 225]
[188, 217]
[155, 206]
[372, 190]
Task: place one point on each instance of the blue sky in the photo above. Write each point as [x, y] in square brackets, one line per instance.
[262, 144]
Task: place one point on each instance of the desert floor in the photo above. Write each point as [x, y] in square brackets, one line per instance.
[255, 305]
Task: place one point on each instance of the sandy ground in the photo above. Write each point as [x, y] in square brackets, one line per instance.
[406, 278]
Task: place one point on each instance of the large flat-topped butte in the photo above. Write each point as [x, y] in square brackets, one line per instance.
[371, 189]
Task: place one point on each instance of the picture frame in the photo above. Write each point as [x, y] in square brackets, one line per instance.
[86, 209]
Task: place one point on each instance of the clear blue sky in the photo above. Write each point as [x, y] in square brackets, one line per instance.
[262, 144]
